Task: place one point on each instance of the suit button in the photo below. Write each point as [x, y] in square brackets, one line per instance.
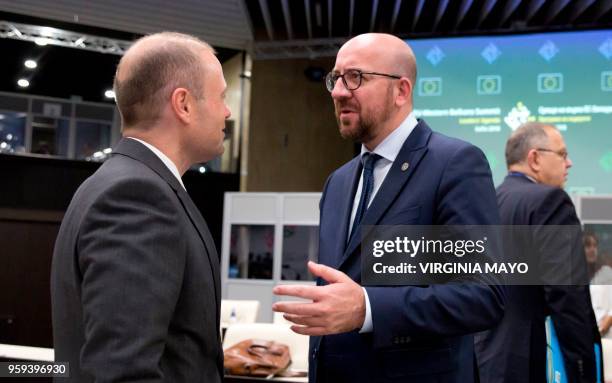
[314, 353]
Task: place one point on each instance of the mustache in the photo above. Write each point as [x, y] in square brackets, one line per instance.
[345, 105]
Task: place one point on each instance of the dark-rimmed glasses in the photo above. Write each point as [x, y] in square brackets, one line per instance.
[352, 78]
[562, 154]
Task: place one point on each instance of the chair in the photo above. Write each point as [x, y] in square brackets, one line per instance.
[244, 311]
[298, 344]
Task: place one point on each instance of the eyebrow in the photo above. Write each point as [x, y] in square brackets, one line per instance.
[347, 69]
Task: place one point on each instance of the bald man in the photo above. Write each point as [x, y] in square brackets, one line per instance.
[406, 174]
[135, 274]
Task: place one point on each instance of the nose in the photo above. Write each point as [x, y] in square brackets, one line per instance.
[568, 163]
[228, 112]
[340, 91]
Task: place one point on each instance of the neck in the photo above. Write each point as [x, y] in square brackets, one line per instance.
[165, 142]
[523, 169]
[386, 128]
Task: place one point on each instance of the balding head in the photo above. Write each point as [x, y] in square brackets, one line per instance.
[375, 95]
[538, 150]
[152, 68]
[387, 52]
[528, 136]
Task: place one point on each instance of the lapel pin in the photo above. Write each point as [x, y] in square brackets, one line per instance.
[405, 166]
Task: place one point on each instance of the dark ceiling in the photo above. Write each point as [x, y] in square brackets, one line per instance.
[299, 24]
[63, 72]
[317, 19]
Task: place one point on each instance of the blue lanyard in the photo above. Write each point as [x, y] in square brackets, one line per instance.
[517, 174]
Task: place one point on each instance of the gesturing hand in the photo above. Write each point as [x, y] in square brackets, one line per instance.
[335, 308]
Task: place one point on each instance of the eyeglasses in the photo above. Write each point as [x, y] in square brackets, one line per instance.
[352, 78]
[563, 154]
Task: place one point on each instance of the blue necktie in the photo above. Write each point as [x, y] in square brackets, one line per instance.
[369, 160]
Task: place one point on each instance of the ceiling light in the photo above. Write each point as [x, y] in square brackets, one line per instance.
[30, 64]
[22, 82]
[46, 31]
[109, 93]
[42, 41]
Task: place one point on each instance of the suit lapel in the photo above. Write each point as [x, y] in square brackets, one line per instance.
[136, 150]
[349, 185]
[202, 228]
[412, 152]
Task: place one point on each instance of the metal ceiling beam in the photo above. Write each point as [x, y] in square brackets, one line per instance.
[553, 11]
[509, 9]
[311, 48]
[287, 17]
[442, 6]
[265, 11]
[60, 37]
[374, 12]
[351, 16]
[396, 9]
[602, 7]
[308, 21]
[329, 17]
[534, 7]
[578, 8]
[464, 8]
[485, 11]
[417, 13]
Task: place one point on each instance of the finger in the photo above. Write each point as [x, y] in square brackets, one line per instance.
[305, 320]
[300, 291]
[310, 331]
[331, 275]
[297, 308]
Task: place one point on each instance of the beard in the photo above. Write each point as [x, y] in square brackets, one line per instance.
[366, 126]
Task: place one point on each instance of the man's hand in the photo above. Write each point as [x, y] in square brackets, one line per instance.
[604, 324]
[335, 308]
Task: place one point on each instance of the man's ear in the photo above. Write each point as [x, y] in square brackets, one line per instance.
[534, 161]
[181, 104]
[404, 95]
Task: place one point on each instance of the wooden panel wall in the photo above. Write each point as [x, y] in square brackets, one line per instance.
[294, 142]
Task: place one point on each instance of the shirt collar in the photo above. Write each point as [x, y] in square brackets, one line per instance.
[521, 174]
[392, 144]
[167, 161]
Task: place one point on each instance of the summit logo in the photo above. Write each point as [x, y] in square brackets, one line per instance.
[517, 116]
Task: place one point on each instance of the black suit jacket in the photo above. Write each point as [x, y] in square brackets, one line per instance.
[135, 278]
[515, 351]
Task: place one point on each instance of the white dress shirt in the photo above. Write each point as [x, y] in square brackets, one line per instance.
[388, 150]
[167, 161]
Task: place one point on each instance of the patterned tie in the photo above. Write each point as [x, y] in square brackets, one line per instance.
[369, 160]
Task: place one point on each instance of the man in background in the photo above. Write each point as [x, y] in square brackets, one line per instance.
[135, 275]
[532, 194]
[406, 175]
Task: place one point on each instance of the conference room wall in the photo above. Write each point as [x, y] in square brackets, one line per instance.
[294, 142]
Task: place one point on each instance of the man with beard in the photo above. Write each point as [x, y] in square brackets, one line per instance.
[406, 175]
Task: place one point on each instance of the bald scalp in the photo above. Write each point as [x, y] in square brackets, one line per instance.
[390, 52]
[152, 69]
